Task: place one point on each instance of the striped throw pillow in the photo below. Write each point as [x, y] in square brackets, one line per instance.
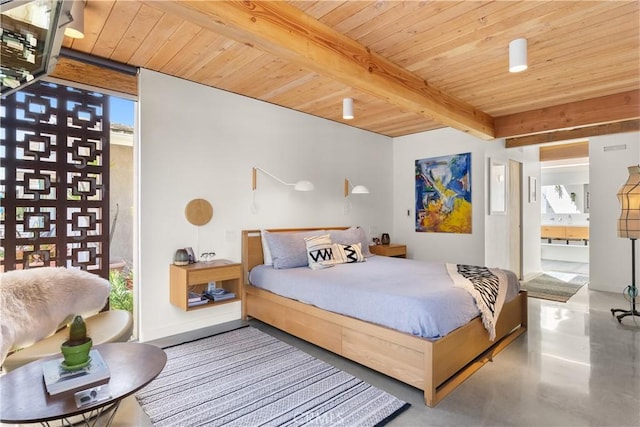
[347, 253]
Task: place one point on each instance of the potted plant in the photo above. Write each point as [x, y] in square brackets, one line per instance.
[76, 349]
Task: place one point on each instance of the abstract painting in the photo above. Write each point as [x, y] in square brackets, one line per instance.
[443, 194]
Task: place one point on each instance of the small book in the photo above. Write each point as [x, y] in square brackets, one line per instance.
[57, 379]
[199, 302]
[194, 297]
[219, 294]
[224, 296]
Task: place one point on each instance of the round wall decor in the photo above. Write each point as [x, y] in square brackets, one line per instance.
[198, 211]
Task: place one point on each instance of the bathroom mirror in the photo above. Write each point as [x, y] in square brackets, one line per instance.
[565, 198]
[497, 187]
[565, 186]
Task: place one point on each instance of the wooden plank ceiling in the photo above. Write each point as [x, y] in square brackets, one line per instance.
[409, 66]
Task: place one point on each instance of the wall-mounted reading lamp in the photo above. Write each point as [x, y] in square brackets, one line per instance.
[358, 189]
[298, 186]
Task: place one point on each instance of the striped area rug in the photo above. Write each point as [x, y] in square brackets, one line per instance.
[555, 286]
[248, 378]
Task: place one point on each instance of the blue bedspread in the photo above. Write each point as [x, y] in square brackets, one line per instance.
[415, 297]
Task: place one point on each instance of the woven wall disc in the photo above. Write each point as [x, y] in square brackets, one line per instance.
[198, 212]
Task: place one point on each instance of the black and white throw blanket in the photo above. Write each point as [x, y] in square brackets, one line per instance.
[488, 286]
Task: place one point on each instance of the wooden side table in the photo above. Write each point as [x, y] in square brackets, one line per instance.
[25, 399]
[195, 277]
[392, 249]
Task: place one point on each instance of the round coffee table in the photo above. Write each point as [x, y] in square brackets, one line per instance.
[24, 398]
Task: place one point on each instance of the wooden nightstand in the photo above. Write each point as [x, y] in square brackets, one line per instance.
[195, 278]
[392, 249]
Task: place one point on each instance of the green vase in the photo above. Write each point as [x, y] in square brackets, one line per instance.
[76, 356]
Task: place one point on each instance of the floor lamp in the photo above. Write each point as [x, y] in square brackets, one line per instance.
[629, 227]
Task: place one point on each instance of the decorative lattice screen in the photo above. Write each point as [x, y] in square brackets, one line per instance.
[54, 146]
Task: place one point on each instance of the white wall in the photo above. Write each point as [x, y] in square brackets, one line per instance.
[610, 256]
[447, 247]
[199, 142]
[530, 159]
[575, 175]
[488, 244]
[207, 151]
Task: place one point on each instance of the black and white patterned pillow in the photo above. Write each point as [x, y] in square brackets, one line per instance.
[319, 252]
[347, 253]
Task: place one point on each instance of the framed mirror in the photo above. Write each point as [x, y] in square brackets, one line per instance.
[497, 187]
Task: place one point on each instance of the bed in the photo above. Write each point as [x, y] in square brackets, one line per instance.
[435, 365]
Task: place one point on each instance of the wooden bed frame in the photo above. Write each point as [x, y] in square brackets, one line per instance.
[435, 366]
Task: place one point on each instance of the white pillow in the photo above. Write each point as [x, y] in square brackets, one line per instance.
[347, 253]
[266, 253]
[319, 252]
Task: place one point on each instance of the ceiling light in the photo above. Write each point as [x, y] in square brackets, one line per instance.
[347, 108]
[568, 165]
[75, 28]
[517, 55]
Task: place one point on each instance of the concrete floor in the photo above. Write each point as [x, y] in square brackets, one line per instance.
[575, 366]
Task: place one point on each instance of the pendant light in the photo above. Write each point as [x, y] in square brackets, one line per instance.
[347, 108]
[517, 55]
[75, 29]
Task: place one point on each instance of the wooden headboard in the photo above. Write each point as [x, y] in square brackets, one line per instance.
[252, 246]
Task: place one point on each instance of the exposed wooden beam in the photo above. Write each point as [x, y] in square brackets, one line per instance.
[606, 109]
[92, 75]
[564, 151]
[287, 32]
[585, 132]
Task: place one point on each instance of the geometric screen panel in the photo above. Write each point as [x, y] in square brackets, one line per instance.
[54, 149]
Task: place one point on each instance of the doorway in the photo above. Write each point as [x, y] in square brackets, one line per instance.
[565, 202]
